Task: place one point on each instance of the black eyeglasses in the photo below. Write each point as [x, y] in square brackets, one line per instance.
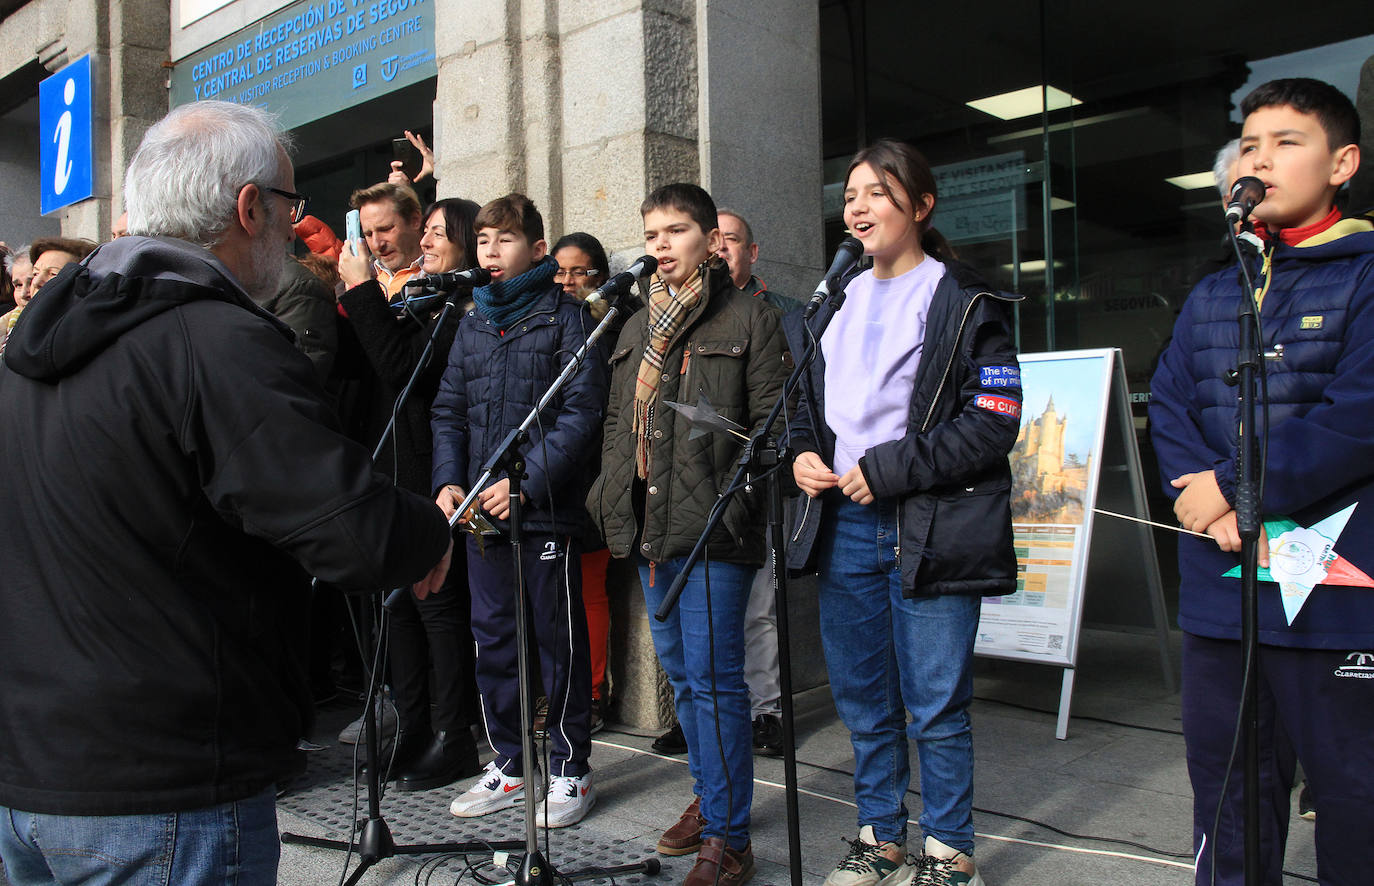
[579, 273]
[298, 202]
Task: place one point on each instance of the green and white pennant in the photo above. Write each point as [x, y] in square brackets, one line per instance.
[1302, 557]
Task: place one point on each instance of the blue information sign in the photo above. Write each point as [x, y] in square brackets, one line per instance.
[66, 157]
[314, 58]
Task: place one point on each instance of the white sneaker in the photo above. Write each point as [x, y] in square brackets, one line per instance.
[570, 799]
[870, 863]
[943, 865]
[353, 732]
[493, 791]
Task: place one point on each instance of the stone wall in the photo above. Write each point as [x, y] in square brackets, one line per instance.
[127, 43]
[761, 131]
[587, 107]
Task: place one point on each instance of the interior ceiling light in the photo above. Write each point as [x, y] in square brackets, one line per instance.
[1066, 125]
[1034, 266]
[1023, 102]
[1193, 181]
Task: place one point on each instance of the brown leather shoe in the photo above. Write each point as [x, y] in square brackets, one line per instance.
[736, 867]
[684, 837]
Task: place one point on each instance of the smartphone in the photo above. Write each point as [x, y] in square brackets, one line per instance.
[353, 229]
[408, 154]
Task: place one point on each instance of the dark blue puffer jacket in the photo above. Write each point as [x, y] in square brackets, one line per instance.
[1318, 313]
[492, 382]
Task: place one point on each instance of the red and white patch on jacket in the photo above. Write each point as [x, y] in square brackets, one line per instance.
[999, 405]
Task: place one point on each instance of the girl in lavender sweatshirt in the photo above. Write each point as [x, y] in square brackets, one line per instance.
[904, 426]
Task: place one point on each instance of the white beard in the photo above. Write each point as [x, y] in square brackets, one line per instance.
[262, 276]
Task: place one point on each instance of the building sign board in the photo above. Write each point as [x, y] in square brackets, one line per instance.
[314, 58]
[65, 151]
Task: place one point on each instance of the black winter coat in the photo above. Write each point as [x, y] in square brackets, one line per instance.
[306, 304]
[492, 382]
[950, 472]
[392, 347]
[172, 474]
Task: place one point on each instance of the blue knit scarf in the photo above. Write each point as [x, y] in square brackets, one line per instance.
[507, 302]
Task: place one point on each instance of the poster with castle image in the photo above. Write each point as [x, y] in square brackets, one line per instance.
[1054, 466]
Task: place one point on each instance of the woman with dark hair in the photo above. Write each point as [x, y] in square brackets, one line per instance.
[448, 241]
[430, 751]
[902, 433]
[582, 267]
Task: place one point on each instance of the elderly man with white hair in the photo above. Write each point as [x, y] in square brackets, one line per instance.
[173, 475]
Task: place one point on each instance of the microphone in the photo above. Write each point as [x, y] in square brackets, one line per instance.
[620, 283]
[1246, 194]
[435, 288]
[447, 281]
[846, 256]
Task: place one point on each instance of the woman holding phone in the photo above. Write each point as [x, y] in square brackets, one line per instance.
[431, 750]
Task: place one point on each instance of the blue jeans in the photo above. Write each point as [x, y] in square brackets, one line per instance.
[697, 652]
[887, 654]
[232, 844]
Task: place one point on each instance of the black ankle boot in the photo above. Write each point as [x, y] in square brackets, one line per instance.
[410, 746]
[451, 756]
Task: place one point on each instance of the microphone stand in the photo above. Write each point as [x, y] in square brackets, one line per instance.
[764, 457]
[1248, 468]
[375, 843]
[534, 868]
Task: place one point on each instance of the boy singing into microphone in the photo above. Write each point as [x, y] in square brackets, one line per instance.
[698, 340]
[508, 350]
[1315, 291]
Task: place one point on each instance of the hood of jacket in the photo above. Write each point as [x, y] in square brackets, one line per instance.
[122, 284]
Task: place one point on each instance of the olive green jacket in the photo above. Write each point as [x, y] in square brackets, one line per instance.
[731, 351]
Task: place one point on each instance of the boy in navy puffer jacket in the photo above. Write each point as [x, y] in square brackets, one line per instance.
[508, 350]
[1316, 295]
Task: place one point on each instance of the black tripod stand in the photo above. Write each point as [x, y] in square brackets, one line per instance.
[534, 867]
[375, 842]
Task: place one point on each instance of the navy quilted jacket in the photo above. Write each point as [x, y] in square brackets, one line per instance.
[1317, 322]
[494, 380]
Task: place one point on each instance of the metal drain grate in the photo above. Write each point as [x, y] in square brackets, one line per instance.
[325, 796]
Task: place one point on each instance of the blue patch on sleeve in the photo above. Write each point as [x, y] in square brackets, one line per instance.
[999, 376]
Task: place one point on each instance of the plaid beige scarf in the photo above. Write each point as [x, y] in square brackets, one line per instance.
[667, 310]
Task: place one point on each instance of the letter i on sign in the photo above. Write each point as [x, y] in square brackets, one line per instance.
[64, 141]
[62, 136]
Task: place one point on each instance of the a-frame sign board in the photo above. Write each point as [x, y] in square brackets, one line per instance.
[1076, 453]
